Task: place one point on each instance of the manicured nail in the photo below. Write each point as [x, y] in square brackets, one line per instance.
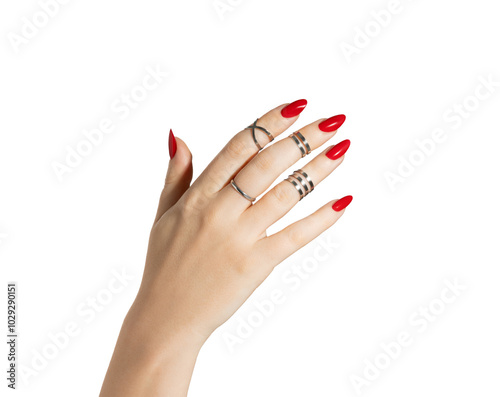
[332, 124]
[172, 144]
[338, 150]
[342, 203]
[294, 109]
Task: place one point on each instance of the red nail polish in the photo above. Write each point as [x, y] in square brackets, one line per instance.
[332, 124]
[342, 203]
[172, 144]
[294, 109]
[338, 150]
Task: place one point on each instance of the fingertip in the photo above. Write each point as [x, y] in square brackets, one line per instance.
[294, 109]
[339, 150]
[333, 123]
[182, 154]
[342, 203]
[172, 144]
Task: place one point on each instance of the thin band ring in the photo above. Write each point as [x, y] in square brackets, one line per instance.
[304, 141]
[301, 143]
[241, 192]
[254, 127]
[297, 142]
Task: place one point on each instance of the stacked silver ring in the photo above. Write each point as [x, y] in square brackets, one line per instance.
[254, 127]
[302, 182]
[301, 142]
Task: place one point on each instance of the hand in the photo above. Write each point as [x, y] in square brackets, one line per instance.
[209, 249]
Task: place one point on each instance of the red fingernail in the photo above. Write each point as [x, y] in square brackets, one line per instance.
[332, 124]
[342, 203]
[294, 109]
[172, 144]
[338, 150]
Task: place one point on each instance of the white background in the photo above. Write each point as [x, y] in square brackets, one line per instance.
[60, 240]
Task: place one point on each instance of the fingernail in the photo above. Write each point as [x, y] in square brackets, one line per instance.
[294, 109]
[339, 205]
[172, 145]
[338, 150]
[332, 124]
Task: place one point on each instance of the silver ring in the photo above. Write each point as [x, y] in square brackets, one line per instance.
[301, 143]
[296, 185]
[241, 192]
[304, 141]
[254, 127]
[302, 182]
[297, 142]
[308, 179]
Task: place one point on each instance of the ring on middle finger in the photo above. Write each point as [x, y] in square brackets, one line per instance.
[301, 143]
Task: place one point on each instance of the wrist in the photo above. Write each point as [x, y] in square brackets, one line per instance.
[147, 330]
[148, 362]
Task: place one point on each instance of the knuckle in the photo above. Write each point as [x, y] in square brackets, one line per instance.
[236, 148]
[170, 179]
[283, 194]
[240, 267]
[214, 180]
[296, 236]
[192, 202]
[244, 266]
[210, 217]
[263, 162]
[198, 211]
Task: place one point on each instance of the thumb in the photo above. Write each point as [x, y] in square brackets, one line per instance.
[179, 174]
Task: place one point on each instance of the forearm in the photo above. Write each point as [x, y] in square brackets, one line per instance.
[150, 363]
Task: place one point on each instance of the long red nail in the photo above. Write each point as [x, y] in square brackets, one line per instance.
[338, 150]
[294, 109]
[172, 144]
[342, 203]
[332, 124]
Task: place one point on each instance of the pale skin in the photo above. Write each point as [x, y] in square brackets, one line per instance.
[209, 250]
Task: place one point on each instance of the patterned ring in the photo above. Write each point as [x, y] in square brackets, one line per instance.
[254, 127]
[302, 182]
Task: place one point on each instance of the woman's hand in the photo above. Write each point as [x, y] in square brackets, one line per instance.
[209, 250]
